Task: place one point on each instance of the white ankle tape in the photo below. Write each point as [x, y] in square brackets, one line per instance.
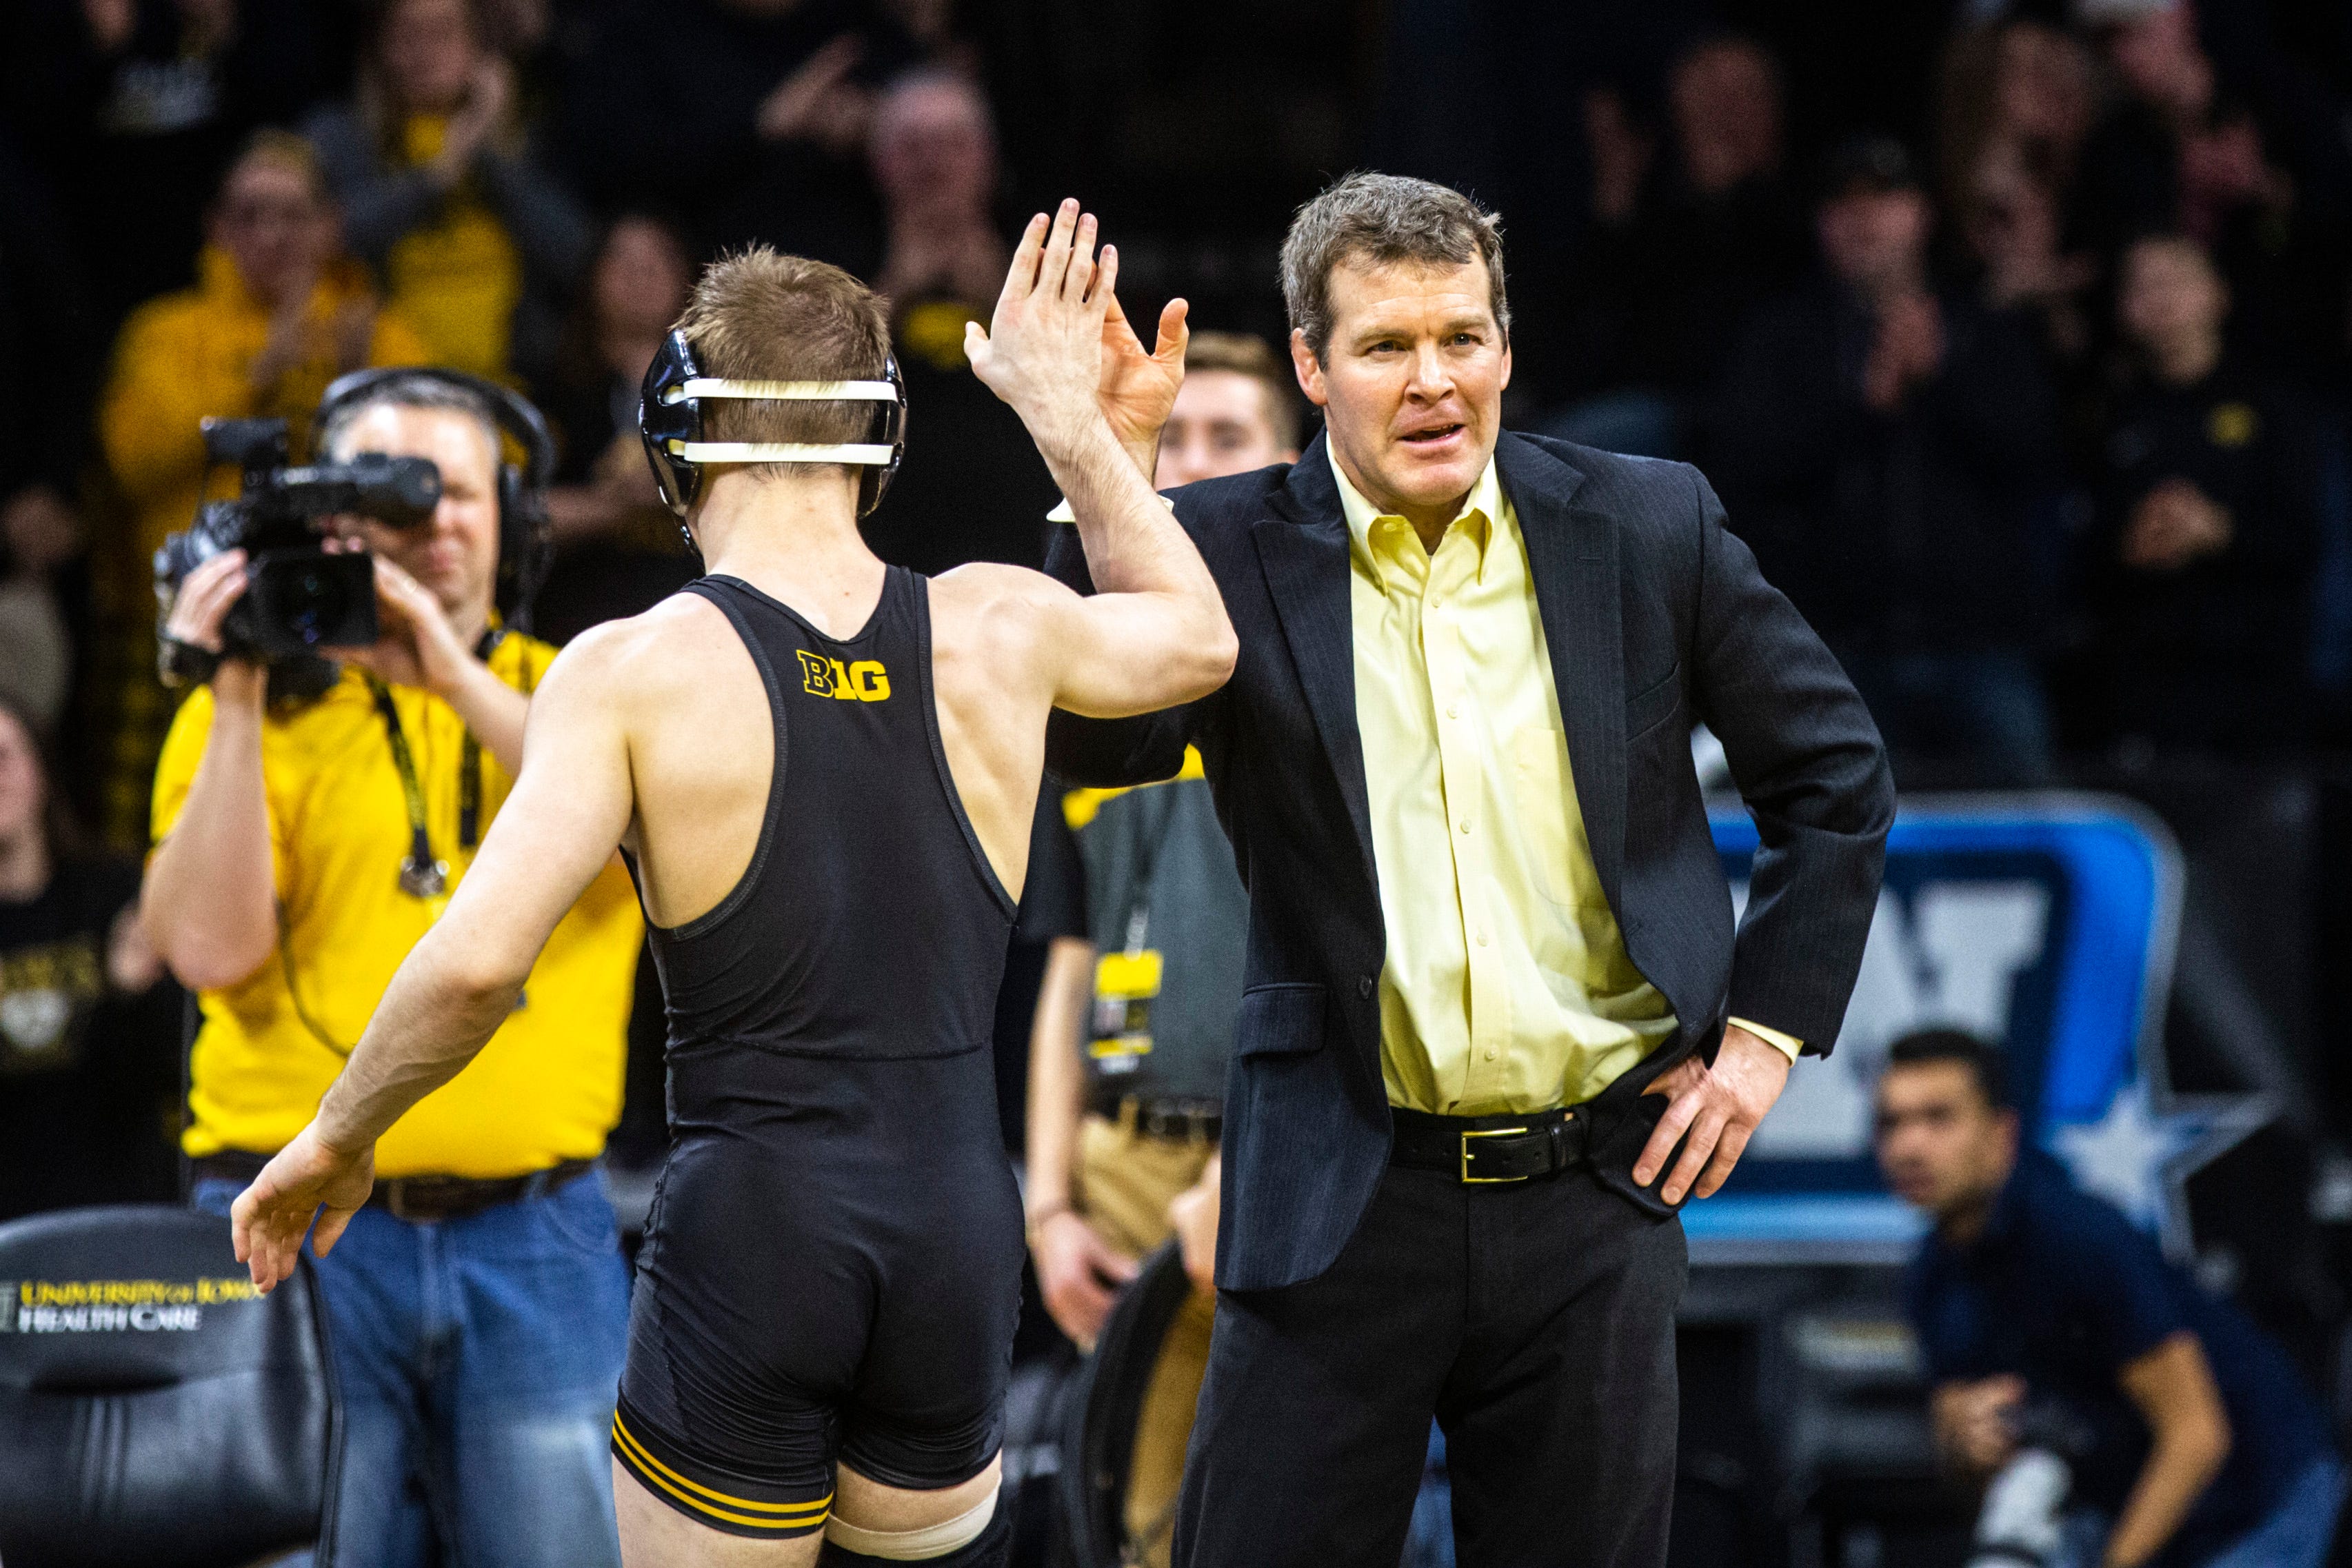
[914, 1545]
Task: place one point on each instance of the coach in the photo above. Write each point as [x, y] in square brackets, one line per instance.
[1492, 976]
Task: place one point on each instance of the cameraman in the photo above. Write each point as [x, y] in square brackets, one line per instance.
[2198, 1447]
[479, 1303]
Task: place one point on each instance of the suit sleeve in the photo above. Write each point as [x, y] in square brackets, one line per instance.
[1810, 766]
[1109, 753]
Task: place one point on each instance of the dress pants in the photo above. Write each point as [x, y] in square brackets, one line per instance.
[1535, 1320]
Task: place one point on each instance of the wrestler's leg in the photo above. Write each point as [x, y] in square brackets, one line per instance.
[961, 1526]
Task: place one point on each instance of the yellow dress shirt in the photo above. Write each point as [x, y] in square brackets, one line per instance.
[1506, 985]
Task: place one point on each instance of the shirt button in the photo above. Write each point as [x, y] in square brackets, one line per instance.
[1453, 711]
[1364, 985]
[1466, 825]
[1490, 1053]
[1482, 939]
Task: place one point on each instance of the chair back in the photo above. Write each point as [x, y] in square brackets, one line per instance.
[155, 1411]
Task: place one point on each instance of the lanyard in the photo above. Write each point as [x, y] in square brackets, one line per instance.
[421, 875]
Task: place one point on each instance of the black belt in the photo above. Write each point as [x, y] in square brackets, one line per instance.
[420, 1200]
[1480, 1150]
[1183, 1120]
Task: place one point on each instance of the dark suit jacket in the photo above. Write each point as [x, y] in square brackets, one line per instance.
[1655, 616]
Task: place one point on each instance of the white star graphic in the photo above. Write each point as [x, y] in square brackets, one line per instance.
[2140, 1153]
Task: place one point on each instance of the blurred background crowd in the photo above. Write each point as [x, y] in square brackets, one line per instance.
[2016, 337]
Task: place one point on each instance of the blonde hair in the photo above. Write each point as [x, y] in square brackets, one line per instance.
[758, 315]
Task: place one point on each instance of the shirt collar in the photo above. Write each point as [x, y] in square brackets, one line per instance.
[1481, 509]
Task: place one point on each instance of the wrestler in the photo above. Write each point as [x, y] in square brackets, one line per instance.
[824, 769]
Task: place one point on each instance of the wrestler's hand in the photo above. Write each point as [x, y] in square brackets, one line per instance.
[1975, 1422]
[271, 1218]
[1720, 1106]
[1138, 390]
[1079, 1274]
[1042, 351]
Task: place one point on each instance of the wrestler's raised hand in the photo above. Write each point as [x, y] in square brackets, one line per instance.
[269, 1218]
[1043, 350]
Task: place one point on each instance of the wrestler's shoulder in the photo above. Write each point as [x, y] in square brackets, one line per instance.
[667, 646]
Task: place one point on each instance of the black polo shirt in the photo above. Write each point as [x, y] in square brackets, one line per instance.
[2062, 1291]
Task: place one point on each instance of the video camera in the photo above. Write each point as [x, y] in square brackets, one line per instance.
[298, 597]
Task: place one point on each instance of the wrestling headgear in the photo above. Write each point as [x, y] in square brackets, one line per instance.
[670, 420]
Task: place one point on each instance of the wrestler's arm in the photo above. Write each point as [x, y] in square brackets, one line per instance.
[557, 830]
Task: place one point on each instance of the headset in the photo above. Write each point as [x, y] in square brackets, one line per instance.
[669, 421]
[526, 546]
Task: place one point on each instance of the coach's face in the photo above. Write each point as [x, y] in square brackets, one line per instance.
[1411, 383]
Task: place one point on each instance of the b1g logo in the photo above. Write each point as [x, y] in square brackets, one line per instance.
[863, 681]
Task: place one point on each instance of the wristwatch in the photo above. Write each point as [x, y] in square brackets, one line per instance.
[184, 663]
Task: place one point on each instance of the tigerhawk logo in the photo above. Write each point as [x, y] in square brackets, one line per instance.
[863, 681]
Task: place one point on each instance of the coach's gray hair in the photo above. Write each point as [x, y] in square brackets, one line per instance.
[1383, 219]
[418, 389]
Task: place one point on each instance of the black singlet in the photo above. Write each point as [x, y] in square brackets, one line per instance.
[832, 1265]
[869, 923]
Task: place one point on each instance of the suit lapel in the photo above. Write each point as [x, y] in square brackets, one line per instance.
[1573, 556]
[1304, 552]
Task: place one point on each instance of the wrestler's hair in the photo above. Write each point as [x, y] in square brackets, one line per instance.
[1246, 354]
[758, 315]
[1383, 219]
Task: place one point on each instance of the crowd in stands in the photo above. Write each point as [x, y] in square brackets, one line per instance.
[2034, 399]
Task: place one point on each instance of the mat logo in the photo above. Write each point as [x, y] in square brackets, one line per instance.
[863, 680]
[2044, 922]
[113, 1306]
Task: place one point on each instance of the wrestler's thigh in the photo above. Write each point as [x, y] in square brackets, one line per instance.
[654, 1535]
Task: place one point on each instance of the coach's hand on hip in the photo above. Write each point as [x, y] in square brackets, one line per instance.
[1720, 1106]
[269, 1218]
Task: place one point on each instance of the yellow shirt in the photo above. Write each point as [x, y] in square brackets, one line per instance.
[1506, 985]
[458, 277]
[548, 1086]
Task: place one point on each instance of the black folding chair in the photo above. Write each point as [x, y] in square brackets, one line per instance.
[154, 1411]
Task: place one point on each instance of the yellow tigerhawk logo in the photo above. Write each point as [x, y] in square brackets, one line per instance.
[863, 681]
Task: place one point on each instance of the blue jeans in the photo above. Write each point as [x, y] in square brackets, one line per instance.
[2297, 1533]
[476, 1359]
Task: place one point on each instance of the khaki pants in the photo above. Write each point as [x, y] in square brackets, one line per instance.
[1125, 1182]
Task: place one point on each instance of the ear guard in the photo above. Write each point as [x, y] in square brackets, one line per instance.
[669, 421]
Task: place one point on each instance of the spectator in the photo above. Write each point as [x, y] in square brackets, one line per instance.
[750, 114]
[88, 1032]
[439, 191]
[973, 488]
[2180, 151]
[478, 1302]
[2211, 490]
[1127, 1061]
[617, 547]
[2199, 1446]
[136, 107]
[278, 314]
[1669, 266]
[2017, 102]
[1879, 444]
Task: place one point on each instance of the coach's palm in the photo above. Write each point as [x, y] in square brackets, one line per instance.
[1138, 390]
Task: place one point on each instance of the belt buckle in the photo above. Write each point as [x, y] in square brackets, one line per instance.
[1469, 1180]
[396, 1198]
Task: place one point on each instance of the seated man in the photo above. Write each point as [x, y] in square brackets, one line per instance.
[2198, 1443]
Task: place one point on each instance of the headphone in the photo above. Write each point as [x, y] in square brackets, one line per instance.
[526, 545]
[669, 421]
